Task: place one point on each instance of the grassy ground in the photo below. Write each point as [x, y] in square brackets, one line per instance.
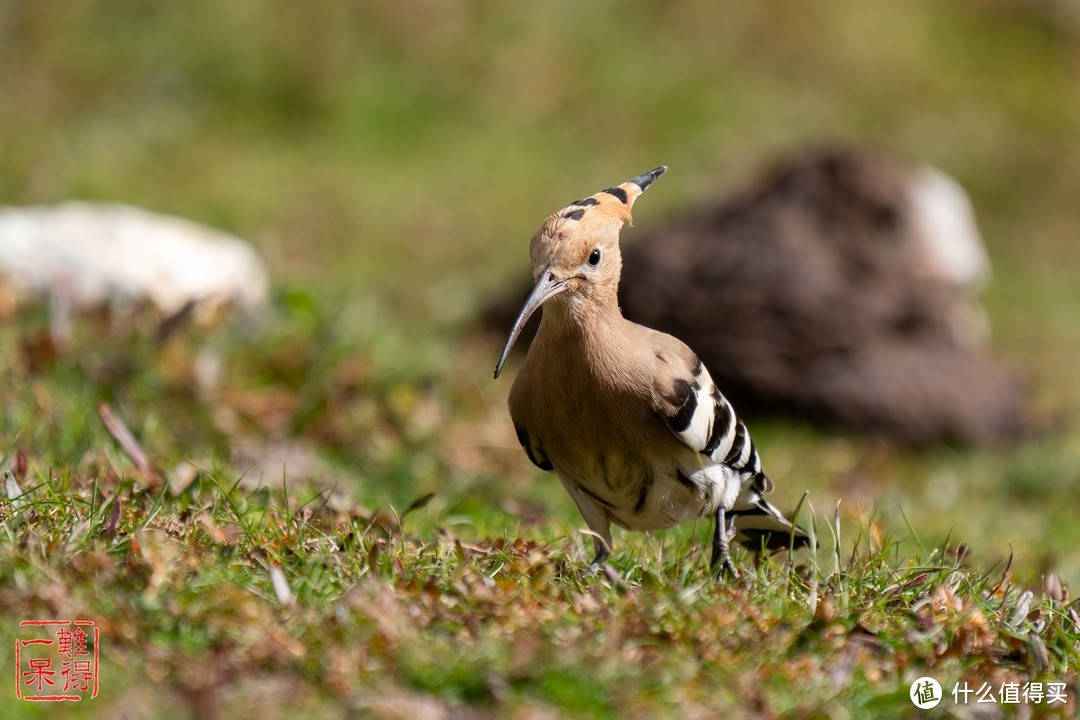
[477, 599]
[392, 161]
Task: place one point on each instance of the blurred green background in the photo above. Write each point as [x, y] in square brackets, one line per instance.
[391, 160]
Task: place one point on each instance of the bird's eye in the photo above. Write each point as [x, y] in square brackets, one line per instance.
[594, 258]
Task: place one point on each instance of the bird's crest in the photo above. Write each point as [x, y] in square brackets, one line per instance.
[574, 230]
[576, 252]
[613, 204]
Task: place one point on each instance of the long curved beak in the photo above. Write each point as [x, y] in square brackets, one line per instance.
[546, 288]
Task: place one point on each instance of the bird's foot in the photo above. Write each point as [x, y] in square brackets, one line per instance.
[727, 567]
[723, 534]
[599, 567]
[602, 554]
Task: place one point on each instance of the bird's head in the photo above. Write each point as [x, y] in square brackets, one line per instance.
[575, 253]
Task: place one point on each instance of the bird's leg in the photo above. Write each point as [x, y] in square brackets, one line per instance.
[602, 554]
[723, 534]
[597, 520]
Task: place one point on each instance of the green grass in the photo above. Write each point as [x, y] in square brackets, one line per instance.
[180, 588]
[391, 161]
[476, 598]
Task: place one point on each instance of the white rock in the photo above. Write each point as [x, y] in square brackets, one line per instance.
[945, 226]
[89, 254]
[951, 249]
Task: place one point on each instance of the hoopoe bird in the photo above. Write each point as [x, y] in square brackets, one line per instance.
[628, 417]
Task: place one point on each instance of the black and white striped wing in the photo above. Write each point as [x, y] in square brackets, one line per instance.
[703, 419]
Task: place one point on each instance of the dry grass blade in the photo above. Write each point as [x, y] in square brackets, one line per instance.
[114, 518]
[14, 492]
[127, 442]
[418, 503]
[281, 586]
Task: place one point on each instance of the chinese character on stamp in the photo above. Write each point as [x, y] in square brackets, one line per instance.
[57, 660]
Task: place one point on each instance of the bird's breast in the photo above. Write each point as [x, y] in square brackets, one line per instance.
[600, 432]
[639, 481]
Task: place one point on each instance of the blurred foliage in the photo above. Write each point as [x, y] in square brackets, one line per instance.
[421, 140]
[392, 160]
